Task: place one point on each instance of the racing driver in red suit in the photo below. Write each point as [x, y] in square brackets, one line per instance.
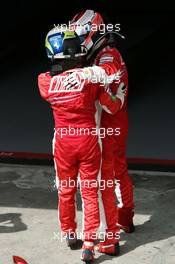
[102, 52]
[76, 151]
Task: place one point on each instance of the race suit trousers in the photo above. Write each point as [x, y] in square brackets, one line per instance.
[75, 154]
[114, 164]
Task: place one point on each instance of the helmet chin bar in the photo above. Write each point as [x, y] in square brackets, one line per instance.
[106, 39]
[99, 44]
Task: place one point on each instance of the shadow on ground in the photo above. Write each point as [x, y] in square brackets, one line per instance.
[154, 197]
[32, 187]
[11, 222]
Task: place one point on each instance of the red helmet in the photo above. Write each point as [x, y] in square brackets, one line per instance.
[87, 25]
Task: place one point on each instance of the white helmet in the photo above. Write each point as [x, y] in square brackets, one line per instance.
[62, 43]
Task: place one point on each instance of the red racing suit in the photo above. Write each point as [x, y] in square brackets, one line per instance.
[76, 151]
[114, 147]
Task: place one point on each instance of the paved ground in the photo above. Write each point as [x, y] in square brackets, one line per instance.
[28, 220]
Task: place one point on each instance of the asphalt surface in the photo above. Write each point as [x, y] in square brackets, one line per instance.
[29, 220]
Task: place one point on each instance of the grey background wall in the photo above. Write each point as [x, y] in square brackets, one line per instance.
[149, 51]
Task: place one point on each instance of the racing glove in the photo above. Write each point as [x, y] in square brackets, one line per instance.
[121, 92]
[94, 74]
